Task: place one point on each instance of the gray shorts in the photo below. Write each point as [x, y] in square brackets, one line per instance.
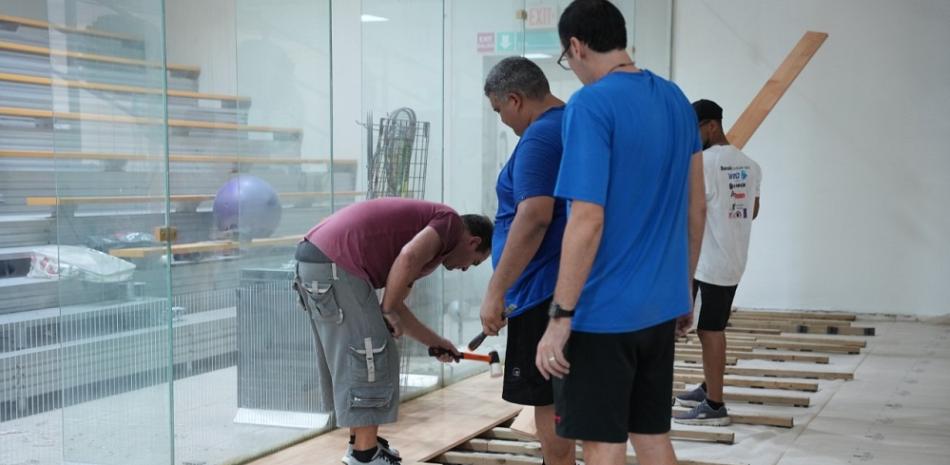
[360, 354]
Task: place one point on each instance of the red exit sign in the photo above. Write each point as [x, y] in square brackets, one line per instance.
[541, 17]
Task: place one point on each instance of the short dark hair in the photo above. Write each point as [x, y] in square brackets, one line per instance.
[517, 75]
[481, 227]
[597, 23]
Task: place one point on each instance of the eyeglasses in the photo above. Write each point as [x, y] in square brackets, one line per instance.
[562, 61]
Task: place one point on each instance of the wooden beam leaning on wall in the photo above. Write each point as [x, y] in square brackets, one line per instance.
[775, 88]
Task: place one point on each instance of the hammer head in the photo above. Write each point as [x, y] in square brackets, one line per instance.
[494, 365]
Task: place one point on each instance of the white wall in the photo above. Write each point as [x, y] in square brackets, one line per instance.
[856, 172]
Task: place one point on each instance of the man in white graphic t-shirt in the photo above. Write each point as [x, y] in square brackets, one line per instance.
[732, 202]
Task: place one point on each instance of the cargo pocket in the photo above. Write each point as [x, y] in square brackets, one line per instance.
[369, 364]
[371, 396]
[319, 300]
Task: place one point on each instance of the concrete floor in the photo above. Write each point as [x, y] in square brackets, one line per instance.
[895, 411]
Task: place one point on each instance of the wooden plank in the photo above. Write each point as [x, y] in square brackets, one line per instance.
[43, 51]
[781, 373]
[752, 419]
[784, 322]
[524, 429]
[49, 82]
[843, 341]
[182, 158]
[59, 27]
[735, 340]
[775, 88]
[805, 347]
[695, 355]
[717, 437]
[177, 123]
[206, 247]
[428, 426]
[778, 327]
[765, 399]
[795, 315]
[514, 452]
[744, 330]
[696, 377]
[183, 198]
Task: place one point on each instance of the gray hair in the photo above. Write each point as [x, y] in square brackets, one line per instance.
[517, 75]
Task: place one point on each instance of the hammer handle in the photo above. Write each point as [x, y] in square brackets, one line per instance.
[437, 351]
[478, 340]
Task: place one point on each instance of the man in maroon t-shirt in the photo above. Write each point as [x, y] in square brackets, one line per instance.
[382, 243]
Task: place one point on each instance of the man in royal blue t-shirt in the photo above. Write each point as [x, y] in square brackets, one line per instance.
[526, 244]
[633, 174]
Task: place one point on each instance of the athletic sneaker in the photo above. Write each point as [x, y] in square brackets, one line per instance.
[381, 443]
[704, 415]
[382, 457]
[692, 398]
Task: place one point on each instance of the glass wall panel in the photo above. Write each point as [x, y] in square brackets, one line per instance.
[250, 383]
[109, 143]
[402, 67]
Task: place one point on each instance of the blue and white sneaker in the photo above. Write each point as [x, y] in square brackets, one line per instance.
[692, 398]
[704, 415]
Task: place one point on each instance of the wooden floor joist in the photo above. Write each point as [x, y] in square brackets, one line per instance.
[751, 339]
[764, 399]
[749, 322]
[781, 373]
[691, 354]
[752, 419]
[777, 327]
[498, 451]
[753, 331]
[697, 357]
[840, 316]
[696, 377]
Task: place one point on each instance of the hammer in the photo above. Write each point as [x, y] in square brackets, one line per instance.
[494, 362]
[477, 341]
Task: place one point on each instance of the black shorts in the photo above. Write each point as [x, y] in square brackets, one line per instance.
[716, 305]
[523, 383]
[618, 384]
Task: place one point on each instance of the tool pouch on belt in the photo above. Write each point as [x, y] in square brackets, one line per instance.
[317, 298]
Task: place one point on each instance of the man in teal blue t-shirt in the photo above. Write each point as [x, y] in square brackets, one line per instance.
[632, 172]
[526, 244]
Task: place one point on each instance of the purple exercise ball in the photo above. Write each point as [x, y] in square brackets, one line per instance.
[247, 205]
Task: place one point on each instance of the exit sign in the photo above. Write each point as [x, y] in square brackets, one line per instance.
[539, 17]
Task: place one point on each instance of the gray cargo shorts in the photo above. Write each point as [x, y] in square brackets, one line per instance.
[360, 354]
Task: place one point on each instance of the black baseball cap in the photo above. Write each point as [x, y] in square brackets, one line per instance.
[707, 109]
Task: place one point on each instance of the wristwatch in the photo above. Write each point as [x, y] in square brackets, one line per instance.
[555, 311]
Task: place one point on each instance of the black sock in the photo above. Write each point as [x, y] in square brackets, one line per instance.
[365, 455]
[715, 405]
[703, 386]
[379, 439]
